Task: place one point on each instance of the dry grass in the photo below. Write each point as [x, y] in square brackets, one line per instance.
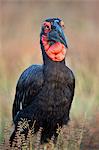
[71, 137]
[19, 32]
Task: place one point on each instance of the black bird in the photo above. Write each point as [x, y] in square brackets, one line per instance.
[44, 93]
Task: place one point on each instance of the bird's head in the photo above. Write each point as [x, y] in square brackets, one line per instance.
[53, 40]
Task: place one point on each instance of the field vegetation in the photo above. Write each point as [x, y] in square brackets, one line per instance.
[19, 48]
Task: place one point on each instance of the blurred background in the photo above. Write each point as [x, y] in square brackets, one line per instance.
[20, 22]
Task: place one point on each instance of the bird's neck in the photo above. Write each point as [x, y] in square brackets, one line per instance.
[48, 62]
[53, 70]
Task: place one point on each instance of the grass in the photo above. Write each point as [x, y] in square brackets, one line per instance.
[17, 53]
[74, 136]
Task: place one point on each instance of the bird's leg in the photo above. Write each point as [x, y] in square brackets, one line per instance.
[38, 140]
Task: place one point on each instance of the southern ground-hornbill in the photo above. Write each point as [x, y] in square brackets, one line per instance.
[44, 93]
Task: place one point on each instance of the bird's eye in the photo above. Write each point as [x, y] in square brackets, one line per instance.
[47, 27]
[62, 24]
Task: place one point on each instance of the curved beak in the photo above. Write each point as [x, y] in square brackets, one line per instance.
[57, 35]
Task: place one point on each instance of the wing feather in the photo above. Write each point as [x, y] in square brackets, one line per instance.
[29, 84]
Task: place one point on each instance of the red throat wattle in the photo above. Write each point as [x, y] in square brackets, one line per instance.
[56, 52]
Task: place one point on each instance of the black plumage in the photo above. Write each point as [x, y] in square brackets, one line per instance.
[44, 93]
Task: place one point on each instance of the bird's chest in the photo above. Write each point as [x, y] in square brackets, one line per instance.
[53, 95]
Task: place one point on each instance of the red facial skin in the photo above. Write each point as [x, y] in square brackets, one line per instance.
[47, 27]
[57, 51]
